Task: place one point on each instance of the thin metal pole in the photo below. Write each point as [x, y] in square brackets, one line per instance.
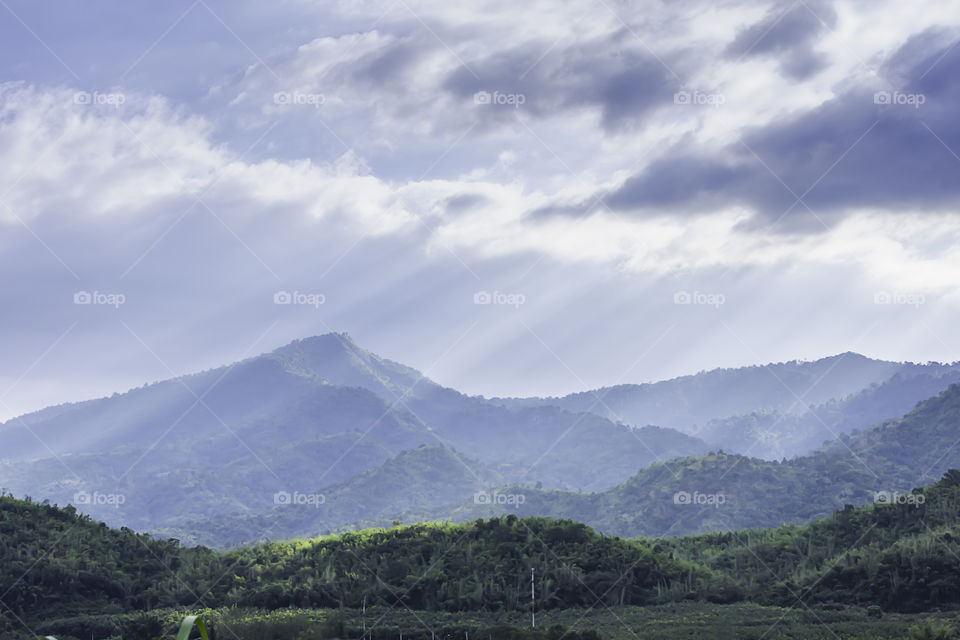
[533, 601]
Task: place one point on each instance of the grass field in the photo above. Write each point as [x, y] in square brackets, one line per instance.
[686, 621]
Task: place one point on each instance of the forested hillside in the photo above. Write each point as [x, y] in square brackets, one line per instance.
[57, 564]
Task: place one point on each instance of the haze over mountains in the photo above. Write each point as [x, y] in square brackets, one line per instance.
[783, 401]
[377, 441]
[739, 492]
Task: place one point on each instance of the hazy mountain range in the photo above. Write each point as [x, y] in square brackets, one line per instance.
[322, 435]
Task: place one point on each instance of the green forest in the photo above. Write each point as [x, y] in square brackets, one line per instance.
[888, 566]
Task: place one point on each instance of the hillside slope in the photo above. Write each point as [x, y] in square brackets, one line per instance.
[900, 556]
[724, 492]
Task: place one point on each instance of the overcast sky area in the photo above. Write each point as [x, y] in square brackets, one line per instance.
[515, 198]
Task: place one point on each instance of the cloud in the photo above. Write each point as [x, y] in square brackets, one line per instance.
[788, 32]
[887, 145]
[550, 81]
[85, 160]
[62, 152]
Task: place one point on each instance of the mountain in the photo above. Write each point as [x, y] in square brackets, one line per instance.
[308, 416]
[722, 492]
[69, 574]
[740, 492]
[290, 383]
[322, 416]
[777, 434]
[421, 478]
[688, 402]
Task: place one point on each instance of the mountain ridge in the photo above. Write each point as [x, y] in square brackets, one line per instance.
[887, 458]
[323, 413]
[304, 416]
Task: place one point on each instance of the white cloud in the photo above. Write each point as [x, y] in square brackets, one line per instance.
[90, 161]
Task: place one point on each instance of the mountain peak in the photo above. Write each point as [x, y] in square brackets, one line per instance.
[323, 342]
[849, 355]
[336, 358]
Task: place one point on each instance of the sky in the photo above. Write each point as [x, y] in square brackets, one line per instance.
[514, 198]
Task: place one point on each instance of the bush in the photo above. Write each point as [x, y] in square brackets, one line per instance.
[930, 631]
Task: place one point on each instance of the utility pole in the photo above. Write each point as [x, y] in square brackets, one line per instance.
[533, 602]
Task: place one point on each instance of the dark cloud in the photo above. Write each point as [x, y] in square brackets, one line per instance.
[390, 64]
[849, 152]
[465, 202]
[802, 64]
[573, 210]
[789, 32]
[627, 96]
[614, 74]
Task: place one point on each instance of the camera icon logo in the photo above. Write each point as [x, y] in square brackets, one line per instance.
[682, 297]
[882, 497]
[282, 297]
[282, 497]
[82, 297]
[481, 97]
[482, 497]
[882, 97]
[81, 497]
[482, 297]
[681, 97]
[882, 297]
[82, 97]
[682, 497]
[281, 97]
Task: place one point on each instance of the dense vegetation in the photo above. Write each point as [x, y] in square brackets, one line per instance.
[903, 556]
[673, 621]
